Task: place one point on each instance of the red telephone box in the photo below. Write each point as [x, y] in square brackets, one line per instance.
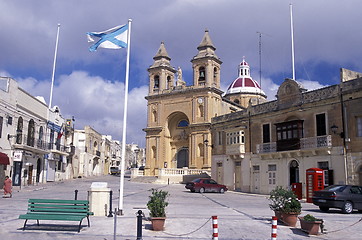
[315, 182]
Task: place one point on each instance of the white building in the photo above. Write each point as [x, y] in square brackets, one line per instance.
[30, 136]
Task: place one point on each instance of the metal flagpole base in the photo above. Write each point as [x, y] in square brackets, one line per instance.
[119, 212]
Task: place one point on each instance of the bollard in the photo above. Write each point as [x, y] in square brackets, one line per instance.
[115, 225]
[274, 228]
[76, 194]
[215, 233]
[110, 204]
[139, 224]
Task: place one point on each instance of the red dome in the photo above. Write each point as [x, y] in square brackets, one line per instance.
[244, 82]
[243, 63]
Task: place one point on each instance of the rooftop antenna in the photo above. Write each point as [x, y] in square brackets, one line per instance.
[292, 36]
[260, 34]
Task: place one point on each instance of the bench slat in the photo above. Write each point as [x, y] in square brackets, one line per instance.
[59, 206]
[34, 210]
[63, 217]
[61, 201]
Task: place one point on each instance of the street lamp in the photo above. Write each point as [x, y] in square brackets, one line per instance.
[334, 130]
[206, 142]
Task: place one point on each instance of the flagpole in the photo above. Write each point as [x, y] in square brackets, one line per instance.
[121, 180]
[53, 73]
[292, 36]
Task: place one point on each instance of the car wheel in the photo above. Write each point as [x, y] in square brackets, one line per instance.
[347, 207]
[192, 190]
[324, 209]
[222, 190]
[202, 190]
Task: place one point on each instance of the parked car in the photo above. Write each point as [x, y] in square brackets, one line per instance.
[202, 185]
[345, 197]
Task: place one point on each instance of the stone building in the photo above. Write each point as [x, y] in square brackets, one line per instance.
[179, 117]
[88, 158]
[273, 143]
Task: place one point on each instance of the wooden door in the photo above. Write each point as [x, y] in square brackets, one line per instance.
[30, 175]
[238, 176]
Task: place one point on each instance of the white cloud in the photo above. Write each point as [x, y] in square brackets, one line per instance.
[95, 101]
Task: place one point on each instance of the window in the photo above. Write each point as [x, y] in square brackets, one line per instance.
[359, 126]
[215, 72]
[289, 135]
[31, 133]
[235, 138]
[157, 81]
[219, 142]
[19, 131]
[169, 82]
[183, 123]
[321, 124]
[272, 168]
[266, 133]
[201, 74]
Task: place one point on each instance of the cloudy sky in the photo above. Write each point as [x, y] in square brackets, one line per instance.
[90, 86]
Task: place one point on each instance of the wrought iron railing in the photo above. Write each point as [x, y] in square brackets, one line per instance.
[305, 143]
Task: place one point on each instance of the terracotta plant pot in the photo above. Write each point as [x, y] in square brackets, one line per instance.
[311, 227]
[278, 214]
[290, 219]
[158, 223]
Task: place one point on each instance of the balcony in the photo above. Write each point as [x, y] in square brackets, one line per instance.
[236, 151]
[311, 144]
[56, 147]
[22, 141]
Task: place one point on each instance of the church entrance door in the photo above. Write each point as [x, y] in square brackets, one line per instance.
[183, 158]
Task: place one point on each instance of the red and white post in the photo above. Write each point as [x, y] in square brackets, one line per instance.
[274, 228]
[215, 233]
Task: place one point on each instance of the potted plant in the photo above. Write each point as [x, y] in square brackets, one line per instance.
[311, 224]
[285, 204]
[157, 206]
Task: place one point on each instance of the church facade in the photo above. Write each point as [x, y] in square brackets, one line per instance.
[179, 117]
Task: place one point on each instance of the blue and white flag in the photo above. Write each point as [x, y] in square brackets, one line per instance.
[113, 38]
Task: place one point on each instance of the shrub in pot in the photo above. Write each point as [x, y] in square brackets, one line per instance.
[285, 204]
[157, 204]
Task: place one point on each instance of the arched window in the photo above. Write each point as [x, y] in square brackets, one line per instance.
[183, 123]
[40, 141]
[215, 72]
[157, 81]
[202, 74]
[19, 131]
[31, 133]
[169, 82]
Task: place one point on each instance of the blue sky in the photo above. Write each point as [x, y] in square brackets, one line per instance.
[89, 86]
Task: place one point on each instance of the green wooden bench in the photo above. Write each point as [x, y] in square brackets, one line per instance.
[57, 210]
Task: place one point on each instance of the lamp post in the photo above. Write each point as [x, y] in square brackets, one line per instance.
[334, 130]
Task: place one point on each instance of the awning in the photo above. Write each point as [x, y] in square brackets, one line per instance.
[4, 159]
